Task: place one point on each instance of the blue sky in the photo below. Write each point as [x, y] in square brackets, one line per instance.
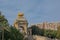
[35, 11]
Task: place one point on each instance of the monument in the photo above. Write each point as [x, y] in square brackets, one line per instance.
[21, 23]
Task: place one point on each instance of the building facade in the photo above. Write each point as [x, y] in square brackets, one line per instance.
[21, 23]
[48, 25]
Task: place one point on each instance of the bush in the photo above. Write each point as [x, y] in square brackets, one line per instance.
[50, 33]
[37, 31]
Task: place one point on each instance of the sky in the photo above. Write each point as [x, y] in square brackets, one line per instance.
[35, 11]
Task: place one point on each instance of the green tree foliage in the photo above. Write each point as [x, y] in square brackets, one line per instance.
[50, 33]
[58, 33]
[3, 23]
[43, 32]
[37, 31]
[6, 35]
[10, 33]
[3, 20]
[14, 34]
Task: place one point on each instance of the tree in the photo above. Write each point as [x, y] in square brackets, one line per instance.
[14, 34]
[9, 32]
[3, 20]
[50, 33]
[37, 31]
[58, 33]
[43, 32]
[3, 24]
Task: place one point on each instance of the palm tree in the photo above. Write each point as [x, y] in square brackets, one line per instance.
[16, 35]
[9, 32]
[13, 34]
[3, 24]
